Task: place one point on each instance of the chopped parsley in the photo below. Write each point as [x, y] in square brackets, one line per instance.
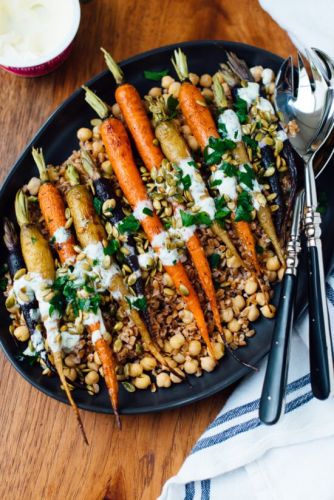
[222, 129]
[128, 225]
[229, 169]
[247, 176]
[97, 205]
[111, 248]
[214, 260]
[222, 210]
[155, 75]
[259, 249]
[201, 218]
[139, 303]
[244, 207]
[67, 293]
[186, 181]
[215, 183]
[215, 149]
[241, 110]
[250, 142]
[172, 104]
[148, 211]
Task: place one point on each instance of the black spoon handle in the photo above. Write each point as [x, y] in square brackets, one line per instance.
[273, 391]
[321, 359]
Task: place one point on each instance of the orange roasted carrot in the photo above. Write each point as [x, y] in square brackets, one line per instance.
[118, 149]
[53, 210]
[138, 122]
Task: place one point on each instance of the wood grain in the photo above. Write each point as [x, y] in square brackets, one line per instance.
[42, 455]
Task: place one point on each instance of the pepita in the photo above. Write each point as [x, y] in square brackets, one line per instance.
[19, 273]
[184, 290]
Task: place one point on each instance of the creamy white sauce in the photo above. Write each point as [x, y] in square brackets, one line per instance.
[95, 252]
[33, 29]
[197, 189]
[281, 135]
[138, 211]
[61, 235]
[267, 76]
[255, 192]
[69, 341]
[35, 287]
[35, 315]
[228, 186]
[92, 319]
[265, 105]
[145, 259]
[231, 121]
[181, 232]
[249, 93]
[159, 243]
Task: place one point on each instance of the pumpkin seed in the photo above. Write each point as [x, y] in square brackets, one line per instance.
[169, 292]
[132, 279]
[10, 302]
[68, 223]
[108, 207]
[184, 290]
[118, 344]
[269, 172]
[19, 273]
[118, 326]
[67, 213]
[128, 386]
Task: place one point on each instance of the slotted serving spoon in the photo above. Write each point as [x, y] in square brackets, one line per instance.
[312, 106]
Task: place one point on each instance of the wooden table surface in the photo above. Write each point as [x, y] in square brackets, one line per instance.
[42, 455]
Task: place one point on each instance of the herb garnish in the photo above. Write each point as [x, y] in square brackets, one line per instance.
[222, 210]
[111, 248]
[97, 205]
[244, 207]
[186, 181]
[247, 176]
[229, 169]
[250, 142]
[219, 147]
[241, 110]
[201, 218]
[214, 260]
[148, 211]
[172, 104]
[128, 225]
[140, 303]
[155, 75]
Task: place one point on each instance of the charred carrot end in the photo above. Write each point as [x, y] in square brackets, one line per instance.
[266, 221]
[197, 114]
[109, 370]
[59, 367]
[247, 241]
[140, 127]
[204, 273]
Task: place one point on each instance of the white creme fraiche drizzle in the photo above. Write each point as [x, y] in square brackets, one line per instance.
[61, 235]
[92, 319]
[232, 126]
[255, 192]
[138, 210]
[251, 94]
[197, 188]
[159, 243]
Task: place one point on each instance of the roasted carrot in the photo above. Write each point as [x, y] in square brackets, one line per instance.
[118, 149]
[138, 122]
[53, 210]
[39, 262]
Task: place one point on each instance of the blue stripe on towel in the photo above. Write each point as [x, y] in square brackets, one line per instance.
[205, 489]
[246, 426]
[190, 491]
[254, 405]
[330, 294]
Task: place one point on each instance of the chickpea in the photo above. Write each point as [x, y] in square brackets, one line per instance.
[135, 370]
[233, 262]
[191, 366]
[267, 76]
[84, 134]
[175, 379]
[177, 341]
[208, 364]
[167, 81]
[205, 81]
[97, 147]
[155, 92]
[167, 347]
[250, 286]
[142, 382]
[70, 373]
[194, 348]
[193, 144]
[97, 359]
[148, 363]
[234, 325]
[163, 380]
[21, 333]
[253, 313]
[167, 279]
[261, 298]
[219, 350]
[227, 314]
[92, 378]
[257, 72]
[208, 94]
[174, 89]
[272, 276]
[193, 78]
[96, 131]
[185, 129]
[116, 110]
[228, 335]
[33, 186]
[93, 366]
[273, 263]
[107, 337]
[187, 317]
[179, 358]
[238, 302]
[268, 311]
[70, 361]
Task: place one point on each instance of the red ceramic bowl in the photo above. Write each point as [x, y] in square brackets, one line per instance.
[55, 58]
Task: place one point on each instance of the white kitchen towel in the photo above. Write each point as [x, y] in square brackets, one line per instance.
[309, 23]
[239, 458]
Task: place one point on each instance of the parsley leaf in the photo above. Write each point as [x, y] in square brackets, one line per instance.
[215, 183]
[172, 104]
[201, 218]
[186, 181]
[244, 207]
[259, 249]
[148, 211]
[215, 149]
[247, 177]
[128, 225]
[241, 110]
[250, 142]
[97, 205]
[229, 169]
[155, 75]
[111, 248]
[222, 129]
[140, 303]
[214, 260]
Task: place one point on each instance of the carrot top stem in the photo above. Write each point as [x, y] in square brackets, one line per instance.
[38, 157]
[72, 175]
[99, 106]
[158, 109]
[21, 208]
[89, 165]
[113, 67]
[180, 64]
[219, 94]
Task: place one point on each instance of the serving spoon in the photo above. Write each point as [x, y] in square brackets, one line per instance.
[313, 109]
